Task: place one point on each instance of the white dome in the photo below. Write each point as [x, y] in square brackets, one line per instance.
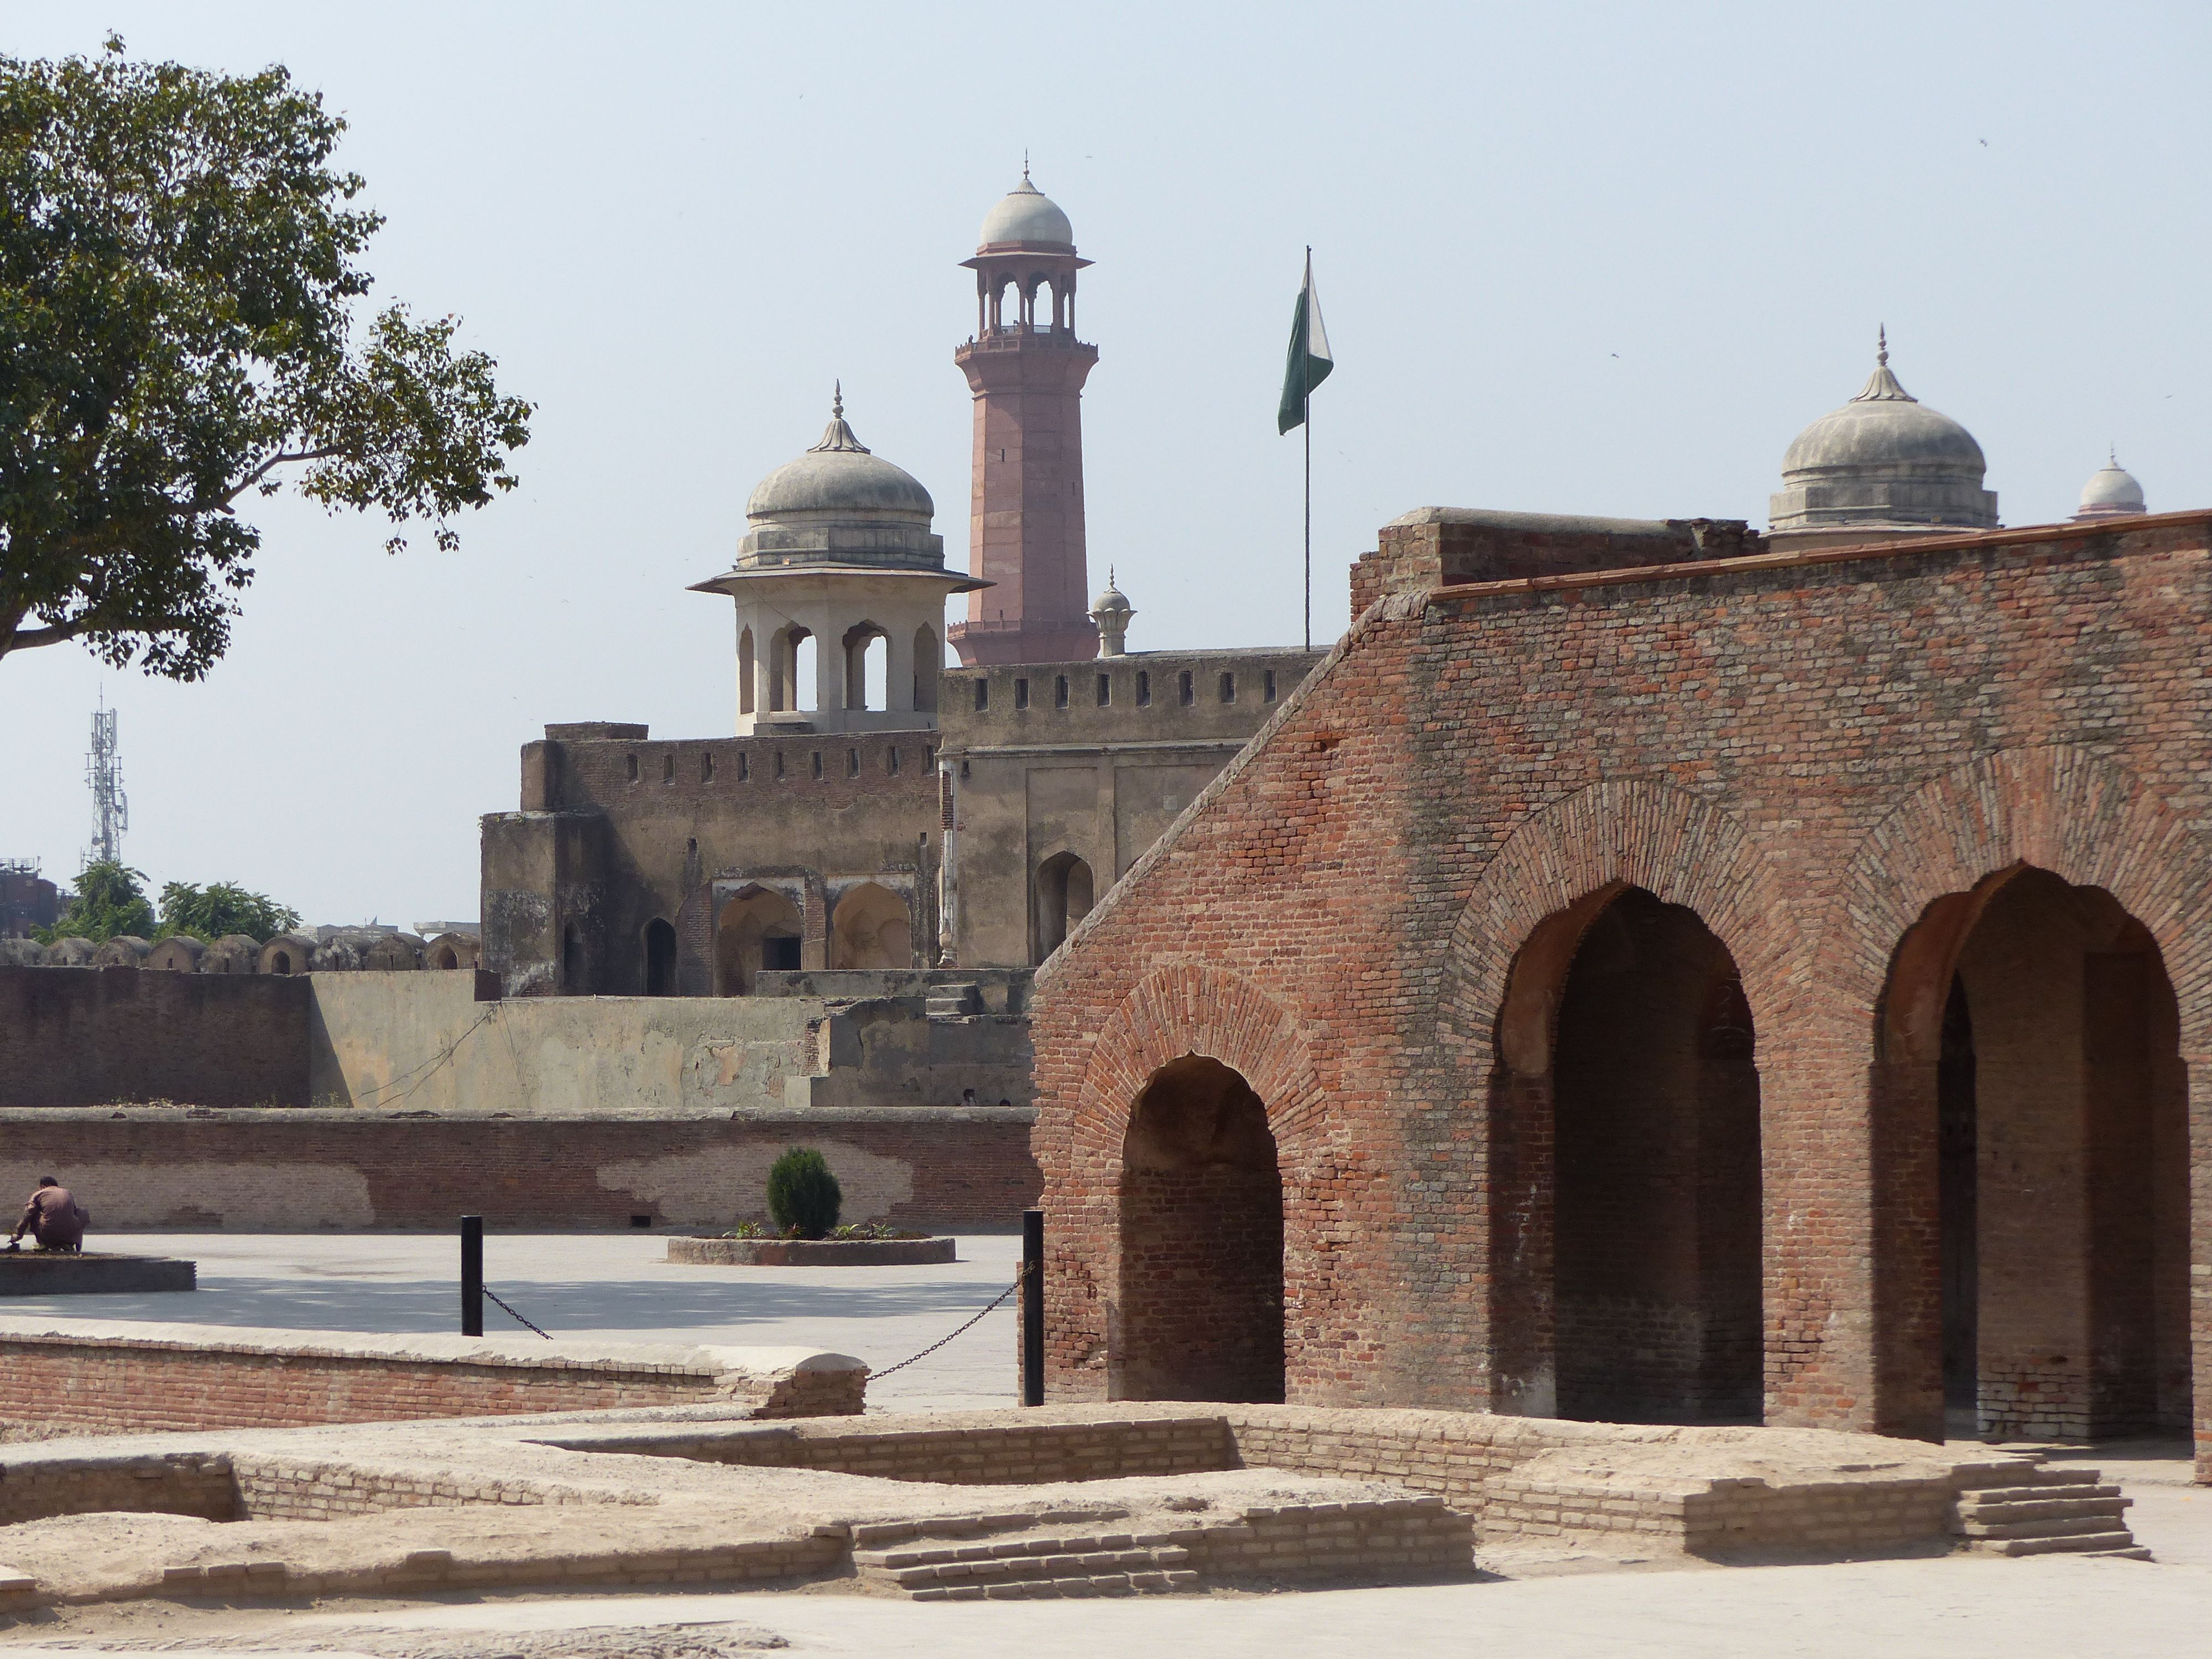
[1029, 216]
[1884, 460]
[2112, 493]
[839, 504]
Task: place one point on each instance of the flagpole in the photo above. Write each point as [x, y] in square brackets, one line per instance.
[1305, 413]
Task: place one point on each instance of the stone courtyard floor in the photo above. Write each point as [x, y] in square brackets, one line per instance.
[610, 1286]
[616, 1286]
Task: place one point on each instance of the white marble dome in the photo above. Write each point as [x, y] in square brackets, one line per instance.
[1885, 460]
[1029, 216]
[840, 503]
[2112, 493]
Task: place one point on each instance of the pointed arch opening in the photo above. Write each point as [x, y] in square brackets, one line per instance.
[660, 948]
[1200, 1242]
[867, 658]
[1064, 896]
[747, 669]
[2031, 1102]
[1627, 1195]
[928, 668]
[756, 929]
[870, 929]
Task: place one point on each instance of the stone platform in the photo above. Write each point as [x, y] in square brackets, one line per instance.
[92, 1273]
[809, 1252]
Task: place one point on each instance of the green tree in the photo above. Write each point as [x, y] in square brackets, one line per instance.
[181, 326]
[222, 908]
[109, 900]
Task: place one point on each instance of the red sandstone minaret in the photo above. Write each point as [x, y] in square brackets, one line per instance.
[1027, 368]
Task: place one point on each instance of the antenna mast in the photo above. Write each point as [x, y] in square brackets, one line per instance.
[111, 810]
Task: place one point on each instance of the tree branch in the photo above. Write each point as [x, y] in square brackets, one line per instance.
[282, 457]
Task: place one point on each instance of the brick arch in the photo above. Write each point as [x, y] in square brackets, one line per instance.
[1632, 832]
[1191, 1009]
[2058, 808]
[1174, 1011]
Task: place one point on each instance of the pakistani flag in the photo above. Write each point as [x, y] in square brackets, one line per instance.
[1309, 361]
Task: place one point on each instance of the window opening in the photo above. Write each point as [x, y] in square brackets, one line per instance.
[982, 695]
[1021, 694]
[1105, 689]
[1188, 696]
[1267, 686]
[1144, 689]
[1060, 691]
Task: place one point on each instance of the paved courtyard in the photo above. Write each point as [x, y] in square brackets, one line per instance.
[614, 1287]
[618, 1287]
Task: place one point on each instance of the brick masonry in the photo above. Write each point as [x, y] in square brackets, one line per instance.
[1371, 915]
[85, 1035]
[102, 1378]
[356, 1169]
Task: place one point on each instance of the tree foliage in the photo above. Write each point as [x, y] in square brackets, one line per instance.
[109, 900]
[220, 908]
[182, 326]
[803, 1196]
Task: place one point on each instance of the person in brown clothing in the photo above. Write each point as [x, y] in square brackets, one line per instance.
[53, 1216]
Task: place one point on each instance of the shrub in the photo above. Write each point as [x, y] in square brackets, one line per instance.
[802, 1194]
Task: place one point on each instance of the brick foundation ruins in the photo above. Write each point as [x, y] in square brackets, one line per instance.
[1081, 1501]
[113, 1377]
[1651, 978]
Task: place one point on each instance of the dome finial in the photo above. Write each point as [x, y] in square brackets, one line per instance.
[1881, 343]
[1881, 386]
[837, 436]
[1025, 164]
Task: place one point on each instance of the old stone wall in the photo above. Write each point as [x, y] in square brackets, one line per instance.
[80, 1037]
[308, 1169]
[616, 832]
[1807, 752]
[1089, 762]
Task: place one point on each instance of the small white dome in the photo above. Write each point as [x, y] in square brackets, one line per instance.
[1112, 599]
[2112, 493]
[1029, 216]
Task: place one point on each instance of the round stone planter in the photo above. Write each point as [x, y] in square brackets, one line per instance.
[809, 1252]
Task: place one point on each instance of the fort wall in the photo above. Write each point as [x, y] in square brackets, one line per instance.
[1371, 914]
[82, 1037]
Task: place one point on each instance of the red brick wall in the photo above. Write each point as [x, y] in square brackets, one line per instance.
[1809, 752]
[103, 1388]
[422, 1173]
[84, 1036]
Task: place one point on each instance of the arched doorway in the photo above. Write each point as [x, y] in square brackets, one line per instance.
[870, 929]
[755, 929]
[1629, 1159]
[1201, 1242]
[1063, 898]
[2033, 1272]
[660, 958]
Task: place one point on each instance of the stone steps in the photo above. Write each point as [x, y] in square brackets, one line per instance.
[1048, 1564]
[2069, 1511]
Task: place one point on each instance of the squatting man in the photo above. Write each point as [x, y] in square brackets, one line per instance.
[53, 1216]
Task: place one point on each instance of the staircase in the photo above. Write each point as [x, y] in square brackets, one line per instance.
[2047, 1511]
[1008, 1558]
[957, 1000]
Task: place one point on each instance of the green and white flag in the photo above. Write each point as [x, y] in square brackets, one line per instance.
[1309, 361]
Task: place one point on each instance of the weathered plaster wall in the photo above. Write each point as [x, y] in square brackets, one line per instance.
[1092, 758]
[306, 1168]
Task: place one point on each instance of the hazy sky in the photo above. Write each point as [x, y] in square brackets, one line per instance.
[1573, 258]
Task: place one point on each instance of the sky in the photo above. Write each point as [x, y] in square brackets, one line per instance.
[1576, 258]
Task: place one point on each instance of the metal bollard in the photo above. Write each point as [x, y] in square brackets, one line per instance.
[471, 1275]
[1033, 1307]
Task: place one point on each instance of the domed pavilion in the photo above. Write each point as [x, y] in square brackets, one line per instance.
[840, 551]
[1882, 466]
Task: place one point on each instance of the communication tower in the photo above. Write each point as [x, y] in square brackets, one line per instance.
[111, 811]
